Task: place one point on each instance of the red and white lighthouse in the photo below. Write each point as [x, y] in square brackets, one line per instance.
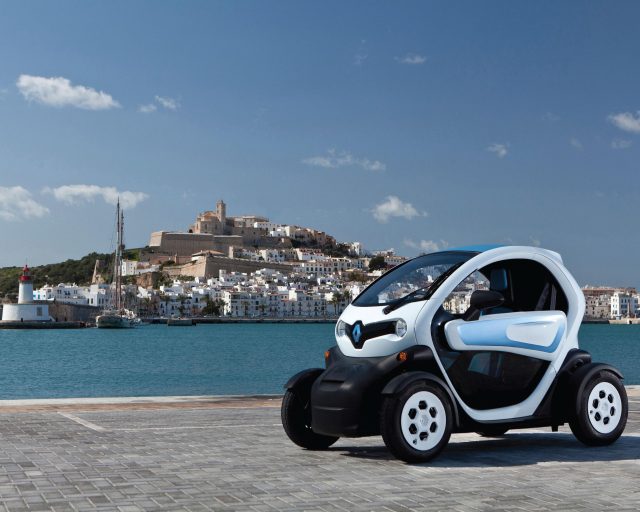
[25, 290]
[26, 310]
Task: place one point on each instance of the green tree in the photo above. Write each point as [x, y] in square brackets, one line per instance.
[212, 307]
[377, 263]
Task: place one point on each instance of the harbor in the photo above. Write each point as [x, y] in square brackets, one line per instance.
[230, 453]
[208, 359]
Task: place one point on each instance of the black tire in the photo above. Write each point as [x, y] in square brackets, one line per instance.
[490, 431]
[296, 420]
[589, 412]
[415, 444]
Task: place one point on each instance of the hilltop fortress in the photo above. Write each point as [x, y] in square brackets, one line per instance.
[214, 231]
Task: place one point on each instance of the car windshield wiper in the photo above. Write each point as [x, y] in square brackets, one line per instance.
[422, 293]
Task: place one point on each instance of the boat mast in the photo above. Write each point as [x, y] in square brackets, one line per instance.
[122, 304]
[118, 258]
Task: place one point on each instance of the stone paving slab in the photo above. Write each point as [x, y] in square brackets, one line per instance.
[238, 458]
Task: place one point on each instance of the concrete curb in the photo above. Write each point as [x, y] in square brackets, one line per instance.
[133, 400]
[175, 401]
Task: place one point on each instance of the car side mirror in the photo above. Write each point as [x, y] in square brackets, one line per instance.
[482, 300]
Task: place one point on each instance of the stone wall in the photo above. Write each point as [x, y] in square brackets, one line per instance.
[182, 244]
[211, 266]
[186, 244]
[73, 312]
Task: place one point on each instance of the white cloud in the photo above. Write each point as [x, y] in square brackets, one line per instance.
[426, 245]
[412, 59]
[334, 160]
[500, 150]
[147, 109]
[73, 194]
[575, 143]
[168, 103]
[626, 121]
[621, 144]
[359, 59]
[535, 242]
[16, 203]
[59, 92]
[393, 206]
[321, 161]
[361, 54]
[551, 117]
[163, 101]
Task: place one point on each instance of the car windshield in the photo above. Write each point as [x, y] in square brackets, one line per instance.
[419, 273]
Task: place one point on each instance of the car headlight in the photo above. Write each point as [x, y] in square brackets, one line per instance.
[341, 328]
[401, 328]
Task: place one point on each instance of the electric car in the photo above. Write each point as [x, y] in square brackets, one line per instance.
[478, 339]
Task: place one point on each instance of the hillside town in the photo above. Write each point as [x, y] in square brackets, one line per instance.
[249, 267]
[235, 267]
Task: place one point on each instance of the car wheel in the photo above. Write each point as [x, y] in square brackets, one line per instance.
[602, 410]
[296, 420]
[490, 431]
[416, 424]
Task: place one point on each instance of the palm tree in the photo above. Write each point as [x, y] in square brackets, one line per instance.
[335, 300]
[145, 306]
[345, 299]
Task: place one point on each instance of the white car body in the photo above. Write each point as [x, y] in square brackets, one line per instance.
[544, 335]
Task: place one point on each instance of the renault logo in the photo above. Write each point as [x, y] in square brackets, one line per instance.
[356, 333]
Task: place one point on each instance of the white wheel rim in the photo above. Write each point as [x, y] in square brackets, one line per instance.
[605, 407]
[423, 420]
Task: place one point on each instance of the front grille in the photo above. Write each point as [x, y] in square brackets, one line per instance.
[369, 331]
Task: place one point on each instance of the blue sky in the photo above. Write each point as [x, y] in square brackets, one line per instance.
[411, 125]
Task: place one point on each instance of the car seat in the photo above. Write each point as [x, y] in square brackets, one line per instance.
[499, 282]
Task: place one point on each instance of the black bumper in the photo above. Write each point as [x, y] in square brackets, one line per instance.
[345, 398]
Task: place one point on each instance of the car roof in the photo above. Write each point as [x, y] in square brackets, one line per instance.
[476, 248]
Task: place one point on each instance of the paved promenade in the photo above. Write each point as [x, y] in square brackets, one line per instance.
[231, 454]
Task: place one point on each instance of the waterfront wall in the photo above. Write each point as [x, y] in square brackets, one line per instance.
[73, 312]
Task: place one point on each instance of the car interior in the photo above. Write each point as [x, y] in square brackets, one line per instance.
[491, 379]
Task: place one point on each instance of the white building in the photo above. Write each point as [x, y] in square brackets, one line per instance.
[129, 267]
[269, 226]
[309, 254]
[624, 305]
[135, 268]
[273, 255]
[95, 295]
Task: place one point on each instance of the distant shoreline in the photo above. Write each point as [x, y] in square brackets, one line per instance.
[242, 320]
[239, 320]
[607, 321]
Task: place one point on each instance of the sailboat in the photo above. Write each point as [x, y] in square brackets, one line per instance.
[117, 317]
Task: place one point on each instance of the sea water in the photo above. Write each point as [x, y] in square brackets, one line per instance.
[157, 360]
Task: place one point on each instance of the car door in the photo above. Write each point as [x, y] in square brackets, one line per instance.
[535, 334]
[498, 359]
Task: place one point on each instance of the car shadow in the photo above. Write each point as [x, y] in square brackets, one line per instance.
[513, 449]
